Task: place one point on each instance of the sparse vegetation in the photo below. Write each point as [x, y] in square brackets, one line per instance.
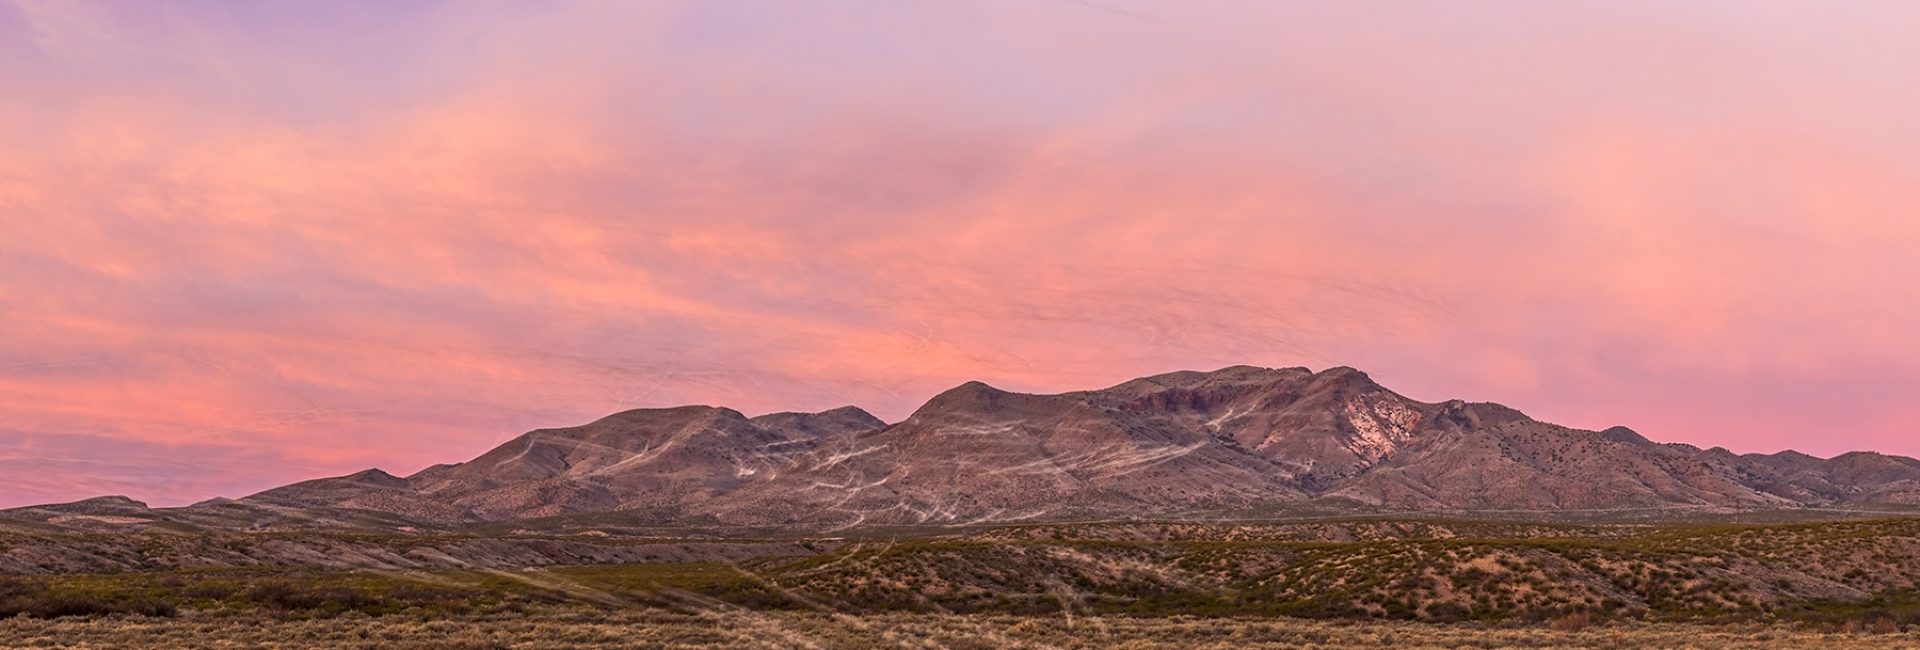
[1853, 582]
[695, 628]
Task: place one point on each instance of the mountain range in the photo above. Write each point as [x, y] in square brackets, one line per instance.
[1238, 442]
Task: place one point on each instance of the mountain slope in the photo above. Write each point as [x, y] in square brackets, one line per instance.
[654, 462]
[977, 453]
[1235, 442]
[1532, 465]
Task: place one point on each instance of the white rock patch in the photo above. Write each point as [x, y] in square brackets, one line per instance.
[1380, 425]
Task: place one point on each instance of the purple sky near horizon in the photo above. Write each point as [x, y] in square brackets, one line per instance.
[248, 244]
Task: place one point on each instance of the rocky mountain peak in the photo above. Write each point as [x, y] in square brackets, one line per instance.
[973, 395]
[376, 476]
[816, 425]
[1626, 435]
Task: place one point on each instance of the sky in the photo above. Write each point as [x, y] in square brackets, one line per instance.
[244, 244]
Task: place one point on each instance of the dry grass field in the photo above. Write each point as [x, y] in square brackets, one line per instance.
[726, 627]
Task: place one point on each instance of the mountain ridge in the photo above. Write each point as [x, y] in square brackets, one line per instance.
[1241, 439]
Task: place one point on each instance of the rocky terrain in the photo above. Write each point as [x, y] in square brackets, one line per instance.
[1237, 443]
[566, 629]
[705, 629]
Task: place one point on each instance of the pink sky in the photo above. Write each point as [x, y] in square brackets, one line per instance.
[247, 244]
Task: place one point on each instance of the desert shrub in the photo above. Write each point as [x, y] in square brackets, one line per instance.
[148, 607]
[275, 594]
[62, 605]
[211, 590]
[43, 605]
[1444, 612]
[419, 594]
[11, 587]
[1574, 622]
[287, 596]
